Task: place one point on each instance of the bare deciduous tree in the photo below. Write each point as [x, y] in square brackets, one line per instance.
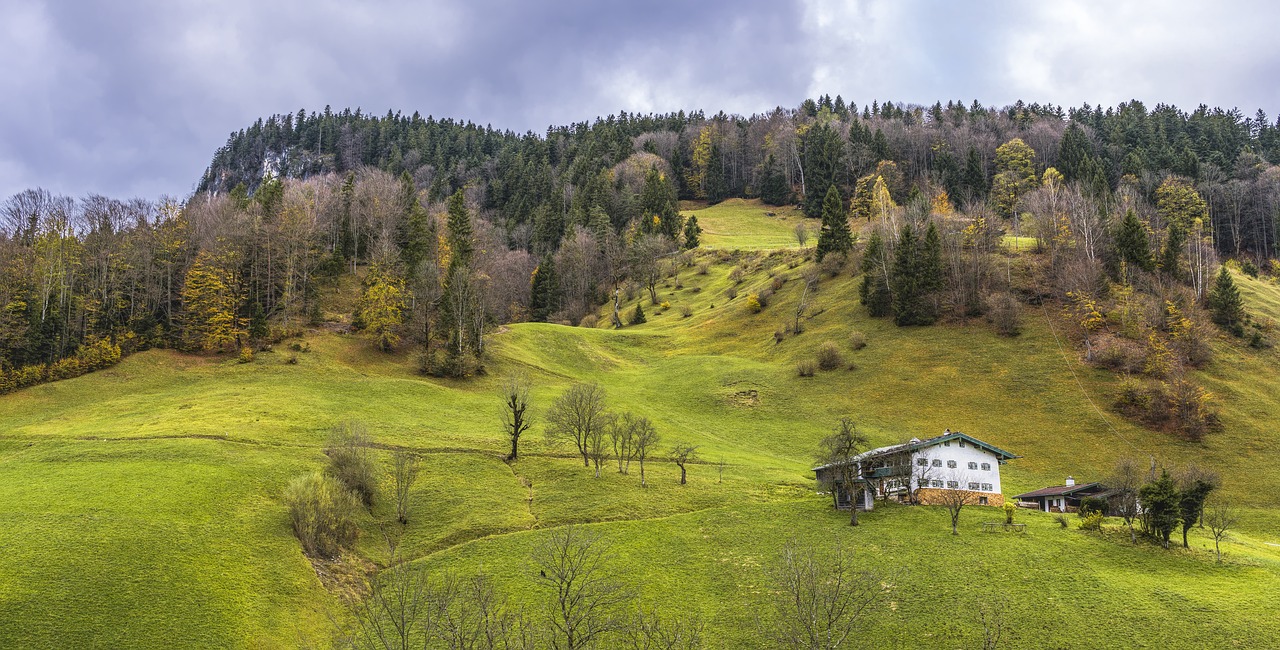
[515, 410]
[954, 498]
[802, 234]
[1221, 516]
[991, 615]
[598, 441]
[838, 450]
[645, 441]
[406, 472]
[649, 630]
[585, 599]
[622, 434]
[683, 454]
[821, 597]
[1126, 479]
[479, 618]
[403, 608]
[575, 415]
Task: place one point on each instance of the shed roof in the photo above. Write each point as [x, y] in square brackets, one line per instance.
[1057, 491]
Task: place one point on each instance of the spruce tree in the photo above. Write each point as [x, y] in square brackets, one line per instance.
[1226, 308]
[823, 155]
[1170, 256]
[931, 275]
[459, 222]
[975, 176]
[1161, 507]
[834, 237]
[545, 296]
[906, 281]
[1132, 246]
[692, 233]
[874, 292]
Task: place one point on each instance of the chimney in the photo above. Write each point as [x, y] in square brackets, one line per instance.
[947, 432]
[1071, 481]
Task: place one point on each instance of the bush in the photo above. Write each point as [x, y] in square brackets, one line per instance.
[829, 357]
[323, 513]
[300, 346]
[1061, 519]
[1002, 311]
[857, 340]
[1092, 504]
[832, 264]
[589, 321]
[703, 268]
[806, 368]
[765, 296]
[666, 304]
[637, 316]
[1119, 355]
[1248, 268]
[1009, 508]
[292, 360]
[246, 354]
[1092, 521]
[753, 304]
[779, 335]
[777, 282]
[731, 292]
[735, 276]
[686, 311]
[350, 460]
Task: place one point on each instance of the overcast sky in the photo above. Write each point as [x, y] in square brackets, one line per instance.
[131, 98]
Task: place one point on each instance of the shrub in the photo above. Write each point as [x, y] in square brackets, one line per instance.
[829, 357]
[779, 335]
[857, 340]
[637, 316]
[590, 320]
[1092, 521]
[666, 304]
[736, 275]
[1119, 355]
[686, 311]
[703, 268]
[1061, 519]
[806, 368]
[300, 346]
[1009, 508]
[832, 264]
[731, 292]
[1002, 311]
[1248, 268]
[765, 296]
[777, 282]
[323, 513]
[350, 460]
[753, 304]
[1092, 504]
[292, 360]
[246, 354]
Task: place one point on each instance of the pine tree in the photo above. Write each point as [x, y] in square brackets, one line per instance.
[1226, 307]
[1160, 506]
[637, 316]
[931, 274]
[834, 237]
[874, 292]
[1171, 255]
[1132, 246]
[860, 207]
[411, 235]
[692, 233]
[773, 188]
[1073, 152]
[545, 292]
[459, 223]
[974, 179]
[823, 154]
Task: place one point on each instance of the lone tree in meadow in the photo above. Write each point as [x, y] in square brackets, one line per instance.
[516, 418]
[1126, 479]
[405, 473]
[954, 499]
[576, 415]
[1220, 515]
[1161, 508]
[683, 454]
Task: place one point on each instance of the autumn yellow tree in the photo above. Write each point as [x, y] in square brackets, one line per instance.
[1015, 175]
[211, 298]
[381, 308]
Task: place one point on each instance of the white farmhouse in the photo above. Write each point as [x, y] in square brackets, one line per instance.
[917, 471]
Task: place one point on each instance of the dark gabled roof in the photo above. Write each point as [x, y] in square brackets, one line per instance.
[921, 444]
[1057, 490]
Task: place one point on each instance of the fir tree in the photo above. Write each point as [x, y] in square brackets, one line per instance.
[834, 237]
[210, 306]
[931, 278]
[975, 176]
[907, 290]
[637, 316]
[823, 157]
[773, 188]
[1171, 255]
[1160, 506]
[411, 235]
[459, 223]
[1226, 308]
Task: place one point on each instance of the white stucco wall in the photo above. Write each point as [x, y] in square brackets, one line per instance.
[969, 453]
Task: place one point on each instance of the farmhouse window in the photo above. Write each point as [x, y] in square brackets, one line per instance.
[951, 464]
[937, 462]
[982, 501]
[986, 487]
[986, 467]
[973, 465]
[962, 444]
[973, 486]
[922, 462]
[953, 484]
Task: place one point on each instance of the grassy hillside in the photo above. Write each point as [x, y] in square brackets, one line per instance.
[747, 224]
[140, 506]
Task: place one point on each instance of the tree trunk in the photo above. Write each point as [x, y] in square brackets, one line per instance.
[515, 447]
[682, 475]
[853, 507]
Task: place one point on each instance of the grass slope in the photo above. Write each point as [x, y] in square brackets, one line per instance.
[139, 506]
[746, 224]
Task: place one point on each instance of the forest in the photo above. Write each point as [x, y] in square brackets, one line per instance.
[456, 228]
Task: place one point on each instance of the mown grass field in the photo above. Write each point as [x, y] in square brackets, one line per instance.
[140, 506]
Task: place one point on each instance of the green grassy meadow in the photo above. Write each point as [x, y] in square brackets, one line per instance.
[745, 224]
[140, 506]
